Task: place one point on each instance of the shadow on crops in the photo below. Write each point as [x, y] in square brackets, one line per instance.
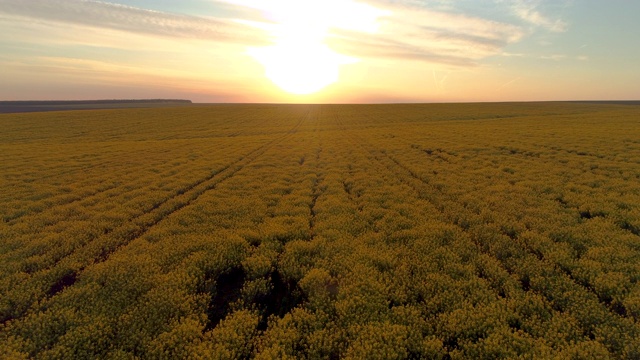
[282, 297]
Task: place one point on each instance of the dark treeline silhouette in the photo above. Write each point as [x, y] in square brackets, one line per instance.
[90, 102]
[57, 105]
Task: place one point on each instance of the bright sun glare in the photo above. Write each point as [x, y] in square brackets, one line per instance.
[300, 68]
[300, 62]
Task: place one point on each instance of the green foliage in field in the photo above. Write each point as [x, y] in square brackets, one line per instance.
[457, 231]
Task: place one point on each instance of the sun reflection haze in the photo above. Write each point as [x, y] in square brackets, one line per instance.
[299, 61]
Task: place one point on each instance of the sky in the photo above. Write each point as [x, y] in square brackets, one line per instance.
[320, 51]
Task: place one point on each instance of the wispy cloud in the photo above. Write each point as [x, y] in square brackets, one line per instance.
[529, 11]
[435, 36]
[130, 19]
[508, 54]
[409, 29]
[554, 57]
[563, 57]
[386, 48]
[510, 82]
[415, 41]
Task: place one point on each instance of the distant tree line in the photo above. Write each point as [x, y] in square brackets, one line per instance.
[92, 102]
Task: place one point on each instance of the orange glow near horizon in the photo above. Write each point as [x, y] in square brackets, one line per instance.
[318, 51]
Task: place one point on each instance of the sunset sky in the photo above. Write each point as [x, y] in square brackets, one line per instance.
[336, 51]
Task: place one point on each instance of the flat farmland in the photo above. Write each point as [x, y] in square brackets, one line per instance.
[438, 231]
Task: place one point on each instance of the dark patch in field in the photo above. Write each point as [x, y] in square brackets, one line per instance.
[439, 154]
[511, 232]
[525, 282]
[562, 201]
[590, 215]
[227, 291]
[625, 225]
[62, 283]
[348, 187]
[585, 215]
[521, 152]
[283, 297]
[618, 308]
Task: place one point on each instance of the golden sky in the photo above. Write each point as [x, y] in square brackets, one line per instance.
[335, 51]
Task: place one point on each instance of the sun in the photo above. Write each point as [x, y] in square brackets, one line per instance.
[299, 61]
[300, 69]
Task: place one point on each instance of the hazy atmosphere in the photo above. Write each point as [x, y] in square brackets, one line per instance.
[319, 179]
[319, 51]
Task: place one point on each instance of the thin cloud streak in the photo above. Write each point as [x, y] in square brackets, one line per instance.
[386, 48]
[407, 30]
[414, 33]
[405, 45]
[130, 19]
[510, 82]
[528, 11]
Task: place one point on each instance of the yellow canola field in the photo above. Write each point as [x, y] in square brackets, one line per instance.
[441, 231]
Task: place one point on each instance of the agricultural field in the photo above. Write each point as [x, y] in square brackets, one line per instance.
[442, 231]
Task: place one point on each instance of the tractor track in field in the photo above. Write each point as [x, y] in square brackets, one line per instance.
[316, 192]
[115, 192]
[526, 156]
[575, 154]
[64, 273]
[185, 196]
[79, 198]
[480, 246]
[12, 219]
[397, 168]
[82, 169]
